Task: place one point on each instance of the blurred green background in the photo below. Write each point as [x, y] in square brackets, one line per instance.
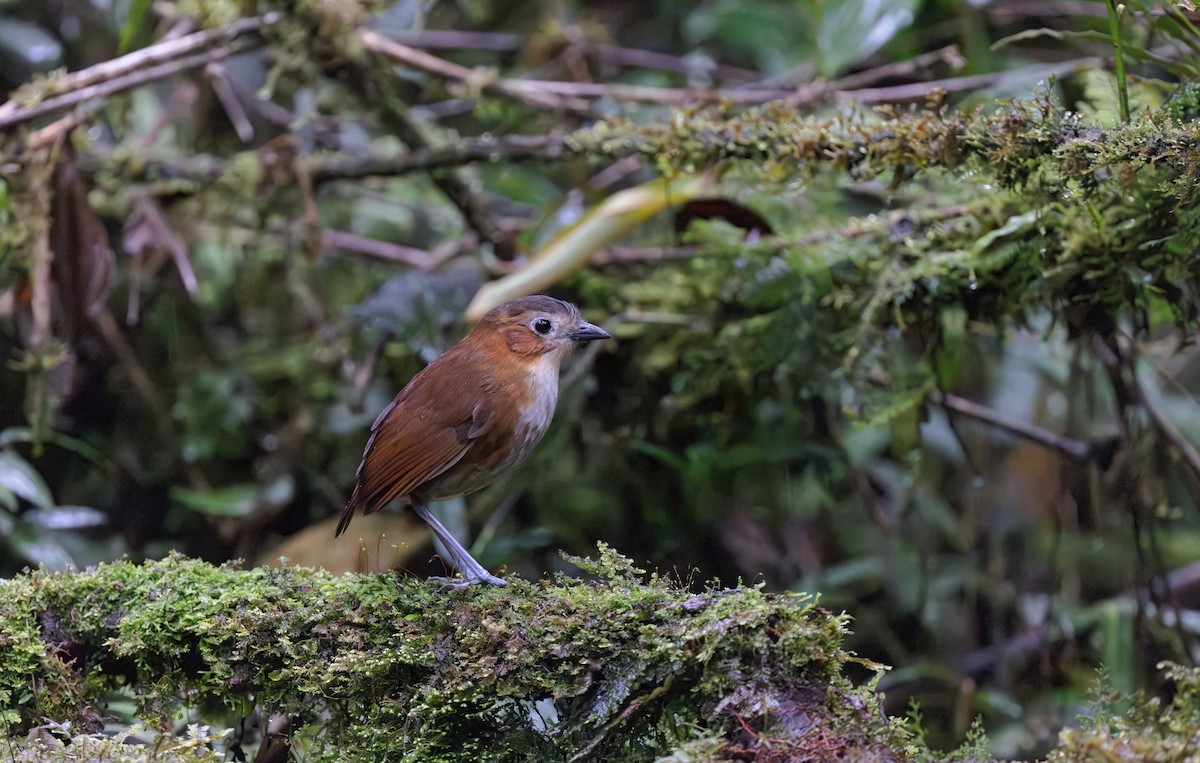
[209, 389]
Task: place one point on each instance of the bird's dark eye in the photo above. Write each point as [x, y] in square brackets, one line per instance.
[542, 326]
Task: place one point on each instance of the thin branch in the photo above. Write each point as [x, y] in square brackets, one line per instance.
[364, 374]
[948, 55]
[542, 93]
[1162, 419]
[154, 54]
[671, 96]
[900, 69]
[375, 84]
[11, 113]
[379, 250]
[141, 67]
[503, 42]
[52, 133]
[403, 54]
[550, 94]
[456, 39]
[135, 370]
[507, 148]
[43, 256]
[1023, 11]
[178, 106]
[1080, 451]
[916, 91]
[222, 85]
[866, 226]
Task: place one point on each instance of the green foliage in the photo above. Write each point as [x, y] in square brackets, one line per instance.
[973, 748]
[1087, 225]
[1138, 728]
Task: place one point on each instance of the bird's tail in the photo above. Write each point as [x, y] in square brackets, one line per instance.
[344, 522]
[348, 511]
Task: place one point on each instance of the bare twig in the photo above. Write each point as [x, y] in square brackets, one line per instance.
[52, 133]
[503, 42]
[148, 56]
[380, 87]
[1080, 451]
[615, 172]
[141, 67]
[1119, 359]
[223, 87]
[948, 55]
[548, 93]
[630, 254]
[395, 51]
[617, 91]
[500, 42]
[379, 250]
[180, 103]
[375, 85]
[401, 53]
[916, 91]
[134, 369]
[154, 54]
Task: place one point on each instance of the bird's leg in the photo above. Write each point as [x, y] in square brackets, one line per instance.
[472, 570]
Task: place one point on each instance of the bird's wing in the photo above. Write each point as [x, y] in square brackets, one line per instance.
[426, 430]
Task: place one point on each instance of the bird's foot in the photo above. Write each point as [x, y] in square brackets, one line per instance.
[459, 583]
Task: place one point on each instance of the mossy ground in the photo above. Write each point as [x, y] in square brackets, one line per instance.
[376, 667]
[379, 667]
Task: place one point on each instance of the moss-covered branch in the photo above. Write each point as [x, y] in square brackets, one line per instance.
[395, 668]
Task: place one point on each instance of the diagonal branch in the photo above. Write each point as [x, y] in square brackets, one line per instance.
[1079, 451]
[403, 54]
[141, 67]
[1163, 420]
[572, 96]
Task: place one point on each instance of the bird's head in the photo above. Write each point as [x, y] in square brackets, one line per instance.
[536, 325]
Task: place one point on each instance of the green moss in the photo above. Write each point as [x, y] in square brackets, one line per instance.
[1005, 219]
[382, 666]
[1137, 728]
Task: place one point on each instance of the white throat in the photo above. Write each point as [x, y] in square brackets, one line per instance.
[543, 382]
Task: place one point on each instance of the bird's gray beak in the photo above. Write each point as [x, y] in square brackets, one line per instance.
[586, 332]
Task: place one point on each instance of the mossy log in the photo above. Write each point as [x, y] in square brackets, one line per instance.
[386, 667]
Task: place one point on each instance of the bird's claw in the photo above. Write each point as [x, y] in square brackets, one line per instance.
[463, 583]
